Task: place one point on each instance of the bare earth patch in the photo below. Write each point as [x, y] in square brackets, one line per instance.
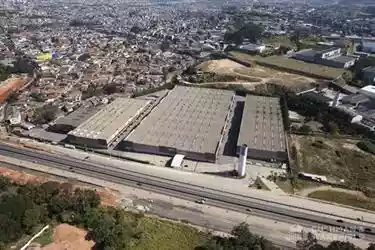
[257, 74]
[67, 237]
[20, 177]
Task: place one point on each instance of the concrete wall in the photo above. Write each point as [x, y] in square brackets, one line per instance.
[264, 155]
[149, 149]
[335, 64]
[304, 58]
[87, 142]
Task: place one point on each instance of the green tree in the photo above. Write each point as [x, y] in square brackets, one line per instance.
[84, 200]
[107, 232]
[348, 77]
[308, 243]
[4, 183]
[339, 245]
[332, 128]
[250, 31]
[12, 97]
[50, 188]
[31, 218]
[4, 73]
[296, 39]
[59, 204]
[242, 239]
[2, 246]
[10, 230]
[305, 129]
[45, 114]
[38, 97]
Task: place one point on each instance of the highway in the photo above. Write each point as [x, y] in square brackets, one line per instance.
[226, 200]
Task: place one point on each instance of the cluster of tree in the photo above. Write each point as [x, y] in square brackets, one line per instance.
[136, 29]
[110, 228]
[241, 238]
[312, 243]
[92, 90]
[211, 77]
[23, 64]
[38, 96]
[296, 39]
[367, 145]
[45, 114]
[250, 31]
[25, 207]
[304, 129]
[4, 73]
[13, 97]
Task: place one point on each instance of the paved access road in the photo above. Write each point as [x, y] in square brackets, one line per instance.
[231, 201]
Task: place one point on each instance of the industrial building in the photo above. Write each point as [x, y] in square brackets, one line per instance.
[262, 129]
[67, 123]
[103, 127]
[369, 75]
[330, 57]
[188, 121]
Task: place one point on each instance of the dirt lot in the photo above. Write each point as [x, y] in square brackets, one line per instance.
[67, 237]
[256, 74]
[338, 159]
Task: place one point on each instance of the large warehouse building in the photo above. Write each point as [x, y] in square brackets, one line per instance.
[103, 127]
[67, 123]
[188, 121]
[262, 129]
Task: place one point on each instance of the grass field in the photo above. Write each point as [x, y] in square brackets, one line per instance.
[338, 159]
[296, 66]
[344, 198]
[166, 235]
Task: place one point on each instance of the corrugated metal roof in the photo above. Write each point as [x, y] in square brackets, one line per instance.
[188, 118]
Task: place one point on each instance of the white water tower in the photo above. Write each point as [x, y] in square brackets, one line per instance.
[242, 161]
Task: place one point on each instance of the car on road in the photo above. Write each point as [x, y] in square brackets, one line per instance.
[201, 201]
[340, 221]
[367, 230]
